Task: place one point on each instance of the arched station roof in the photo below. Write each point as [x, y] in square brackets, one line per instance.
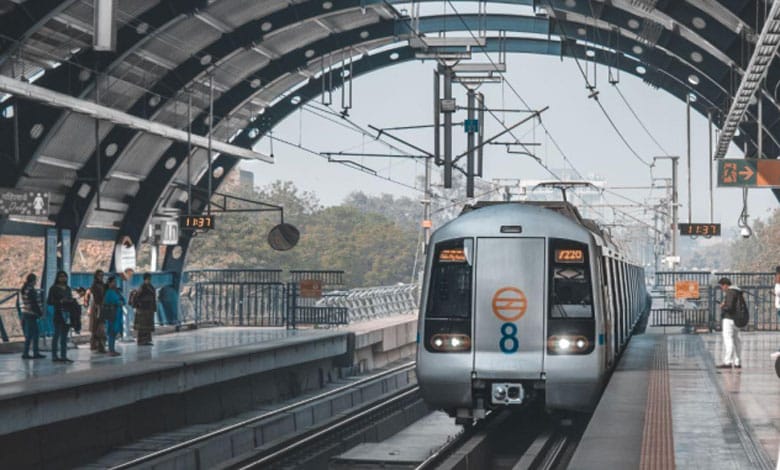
[266, 59]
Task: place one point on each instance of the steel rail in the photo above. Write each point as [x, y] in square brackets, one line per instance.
[266, 459]
[270, 414]
[447, 448]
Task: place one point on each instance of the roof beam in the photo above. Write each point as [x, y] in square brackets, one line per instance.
[96, 111]
[766, 48]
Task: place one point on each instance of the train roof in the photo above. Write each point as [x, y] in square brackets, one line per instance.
[562, 207]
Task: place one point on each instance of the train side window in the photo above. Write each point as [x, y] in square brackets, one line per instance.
[571, 293]
[449, 294]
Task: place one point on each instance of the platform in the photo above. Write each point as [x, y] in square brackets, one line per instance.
[184, 378]
[667, 406]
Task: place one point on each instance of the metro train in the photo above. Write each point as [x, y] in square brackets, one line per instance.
[523, 301]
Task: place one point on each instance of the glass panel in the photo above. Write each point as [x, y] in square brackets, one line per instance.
[571, 295]
[449, 295]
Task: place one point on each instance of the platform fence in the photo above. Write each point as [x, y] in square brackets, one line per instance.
[234, 298]
[704, 311]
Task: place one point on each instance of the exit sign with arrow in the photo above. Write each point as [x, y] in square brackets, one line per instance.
[757, 173]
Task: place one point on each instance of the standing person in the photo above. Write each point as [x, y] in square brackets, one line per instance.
[732, 346]
[31, 312]
[60, 295]
[145, 304]
[97, 327]
[128, 310]
[112, 314]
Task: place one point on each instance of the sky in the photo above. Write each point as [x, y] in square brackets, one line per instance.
[402, 95]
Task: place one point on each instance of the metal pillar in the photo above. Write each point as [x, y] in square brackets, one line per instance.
[211, 131]
[470, 137]
[481, 135]
[98, 169]
[447, 129]
[675, 204]
[436, 118]
[189, 153]
[710, 161]
[427, 203]
[760, 105]
[688, 156]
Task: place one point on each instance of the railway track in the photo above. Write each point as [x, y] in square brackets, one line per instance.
[525, 439]
[317, 446]
[284, 448]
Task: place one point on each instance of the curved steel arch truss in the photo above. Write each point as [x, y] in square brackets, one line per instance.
[312, 90]
[710, 40]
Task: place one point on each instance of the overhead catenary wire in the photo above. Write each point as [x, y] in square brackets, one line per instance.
[639, 120]
[594, 94]
[363, 169]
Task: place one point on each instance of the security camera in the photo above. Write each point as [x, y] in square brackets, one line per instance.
[745, 232]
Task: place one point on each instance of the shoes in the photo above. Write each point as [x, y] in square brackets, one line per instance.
[738, 366]
[39, 356]
[26, 356]
[56, 359]
[113, 353]
[723, 366]
[146, 344]
[65, 359]
[101, 351]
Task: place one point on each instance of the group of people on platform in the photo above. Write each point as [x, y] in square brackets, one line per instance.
[104, 303]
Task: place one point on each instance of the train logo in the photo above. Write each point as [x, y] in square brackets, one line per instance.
[509, 304]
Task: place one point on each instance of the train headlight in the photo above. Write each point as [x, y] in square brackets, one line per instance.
[499, 394]
[567, 344]
[450, 342]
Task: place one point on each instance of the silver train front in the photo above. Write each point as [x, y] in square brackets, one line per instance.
[521, 301]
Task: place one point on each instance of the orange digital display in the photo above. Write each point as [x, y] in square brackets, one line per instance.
[707, 230]
[452, 256]
[196, 222]
[569, 256]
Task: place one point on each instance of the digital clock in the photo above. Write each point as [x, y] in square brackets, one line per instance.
[196, 222]
[704, 230]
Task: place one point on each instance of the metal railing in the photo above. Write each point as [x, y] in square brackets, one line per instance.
[9, 316]
[329, 278]
[687, 317]
[757, 286]
[374, 302]
[232, 276]
[239, 303]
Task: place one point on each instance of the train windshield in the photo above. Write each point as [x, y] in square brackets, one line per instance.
[571, 295]
[449, 295]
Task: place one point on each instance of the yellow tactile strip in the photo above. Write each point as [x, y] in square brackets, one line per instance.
[657, 435]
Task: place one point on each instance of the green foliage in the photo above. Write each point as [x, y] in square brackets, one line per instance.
[371, 238]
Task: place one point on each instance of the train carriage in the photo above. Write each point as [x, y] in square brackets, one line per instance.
[522, 301]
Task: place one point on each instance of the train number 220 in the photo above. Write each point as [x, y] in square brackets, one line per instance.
[509, 343]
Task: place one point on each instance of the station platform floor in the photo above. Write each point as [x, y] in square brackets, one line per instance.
[38, 392]
[668, 406]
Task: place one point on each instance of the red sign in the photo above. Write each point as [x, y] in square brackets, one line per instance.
[310, 288]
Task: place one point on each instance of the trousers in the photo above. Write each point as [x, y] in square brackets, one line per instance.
[30, 327]
[59, 340]
[732, 346]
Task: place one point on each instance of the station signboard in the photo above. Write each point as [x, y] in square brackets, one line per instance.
[749, 173]
[686, 290]
[310, 288]
[32, 203]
